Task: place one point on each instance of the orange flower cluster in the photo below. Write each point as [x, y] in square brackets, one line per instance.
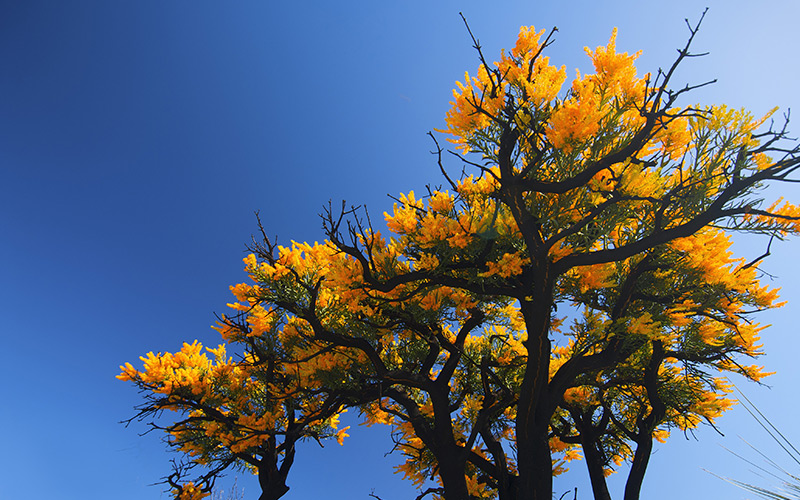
[189, 491]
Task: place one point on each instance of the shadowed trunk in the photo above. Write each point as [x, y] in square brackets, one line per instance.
[534, 460]
[272, 478]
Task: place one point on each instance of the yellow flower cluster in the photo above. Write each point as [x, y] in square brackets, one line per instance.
[477, 100]
[563, 453]
[510, 264]
[168, 373]
[615, 74]
[578, 117]
[594, 277]
[189, 491]
[525, 74]
[535, 81]
[788, 217]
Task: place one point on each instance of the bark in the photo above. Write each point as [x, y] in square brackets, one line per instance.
[594, 462]
[535, 468]
[451, 469]
[633, 485]
[533, 417]
[644, 438]
[272, 478]
[273, 484]
[451, 457]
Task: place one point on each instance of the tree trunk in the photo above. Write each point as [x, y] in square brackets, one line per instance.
[594, 462]
[451, 470]
[534, 461]
[272, 478]
[633, 486]
[272, 485]
[535, 468]
[451, 457]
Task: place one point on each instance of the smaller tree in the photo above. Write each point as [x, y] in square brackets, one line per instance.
[247, 414]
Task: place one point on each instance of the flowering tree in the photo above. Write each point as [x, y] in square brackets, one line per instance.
[575, 296]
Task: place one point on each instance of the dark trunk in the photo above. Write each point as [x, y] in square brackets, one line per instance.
[451, 470]
[273, 486]
[451, 457]
[534, 461]
[535, 469]
[633, 485]
[644, 438]
[272, 478]
[594, 461]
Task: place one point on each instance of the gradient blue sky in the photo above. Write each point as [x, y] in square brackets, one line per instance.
[137, 139]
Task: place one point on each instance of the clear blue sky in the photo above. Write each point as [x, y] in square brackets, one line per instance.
[137, 139]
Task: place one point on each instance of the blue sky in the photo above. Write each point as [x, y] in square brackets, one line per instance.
[138, 138]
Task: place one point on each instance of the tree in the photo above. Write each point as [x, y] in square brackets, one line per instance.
[575, 296]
